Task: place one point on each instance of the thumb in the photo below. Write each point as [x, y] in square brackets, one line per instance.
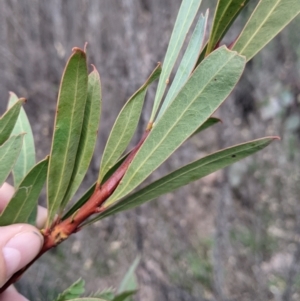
[19, 244]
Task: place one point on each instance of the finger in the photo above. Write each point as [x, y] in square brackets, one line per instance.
[11, 294]
[19, 244]
[6, 193]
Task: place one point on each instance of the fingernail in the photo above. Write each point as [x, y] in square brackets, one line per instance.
[20, 250]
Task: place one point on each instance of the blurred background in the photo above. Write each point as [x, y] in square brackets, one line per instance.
[234, 235]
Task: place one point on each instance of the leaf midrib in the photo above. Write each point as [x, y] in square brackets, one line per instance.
[162, 86]
[183, 174]
[226, 7]
[123, 132]
[171, 128]
[259, 27]
[69, 132]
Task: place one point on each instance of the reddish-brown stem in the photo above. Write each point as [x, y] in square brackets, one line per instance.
[61, 230]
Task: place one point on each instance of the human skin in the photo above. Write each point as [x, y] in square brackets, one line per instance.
[19, 244]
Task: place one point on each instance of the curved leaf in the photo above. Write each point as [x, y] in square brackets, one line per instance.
[9, 152]
[185, 17]
[208, 123]
[24, 201]
[267, 20]
[9, 119]
[67, 131]
[187, 63]
[26, 159]
[206, 89]
[225, 14]
[125, 126]
[88, 137]
[187, 174]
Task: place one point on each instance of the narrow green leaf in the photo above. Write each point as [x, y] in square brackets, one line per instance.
[68, 124]
[9, 119]
[187, 174]
[74, 291]
[267, 20]
[185, 17]
[26, 158]
[206, 89]
[225, 14]
[25, 199]
[129, 282]
[88, 137]
[125, 126]
[202, 55]
[208, 123]
[188, 62]
[9, 152]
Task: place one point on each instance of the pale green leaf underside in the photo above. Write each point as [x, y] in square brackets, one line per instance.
[88, 135]
[267, 20]
[8, 120]
[9, 152]
[67, 130]
[26, 159]
[187, 174]
[207, 88]
[129, 282]
[226, 12]
[25, 199]
[187, 64]
[125, 126]
[185, 17]
[74, 291]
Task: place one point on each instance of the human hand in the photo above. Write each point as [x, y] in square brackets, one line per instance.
[19, 244]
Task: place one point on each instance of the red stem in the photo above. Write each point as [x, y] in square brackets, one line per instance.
[61, 230]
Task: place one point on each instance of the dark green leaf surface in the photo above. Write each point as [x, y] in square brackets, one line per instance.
[26, 159]
[189, 173]
[208, 123]
[67, 132]
[185, 17]
[74, 291]
[187, 64]
[267, 20]
[25, 199]
[125, 126]
[9, 152]
[9, 119]
[226, 12]
[206, 89]
[88, 135]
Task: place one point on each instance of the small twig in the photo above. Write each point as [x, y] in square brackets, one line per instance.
[61, 230]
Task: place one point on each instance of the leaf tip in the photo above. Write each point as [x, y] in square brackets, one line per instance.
[276, 138]
[77, 50]
[22, 99]
[85, 46]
